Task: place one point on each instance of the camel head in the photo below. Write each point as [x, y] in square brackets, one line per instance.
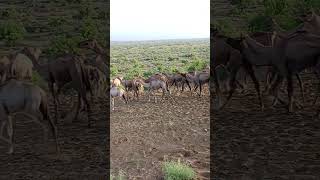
[89, 44]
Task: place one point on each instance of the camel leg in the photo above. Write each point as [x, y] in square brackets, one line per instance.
[125, 98]
[270, 78]
[54, 102]
[301, 87]
[200, 86]
[256, 84]
[275, 90]
[290, 92]
[10, 133]
[78, 108]
[216, 83]
[88, 111]
[54, 132]
[112, 103]
[163, 94]
[149, 92]
[188, 85]
[232, 85]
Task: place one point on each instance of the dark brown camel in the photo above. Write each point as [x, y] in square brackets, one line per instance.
[180, 78]
[224, 54]
[66, 69]
[264, 39]
[290, 55]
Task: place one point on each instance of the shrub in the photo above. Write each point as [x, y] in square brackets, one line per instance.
[86, 10]
[177, 171]
[89, 29]
[260, 23]
[113, 71]
[11, 31]
[120, 176]
[196, 65]
[56, 23]
[10, 13]
[64, 44]
[148, 73]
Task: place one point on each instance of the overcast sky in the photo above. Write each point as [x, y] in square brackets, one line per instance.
[159, 19]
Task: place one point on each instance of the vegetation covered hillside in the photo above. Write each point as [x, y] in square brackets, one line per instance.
[53, 25]
[240, 16]
[133, 59]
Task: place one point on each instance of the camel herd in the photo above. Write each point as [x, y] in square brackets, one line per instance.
[159, 81]
[284, 53]
[18, 95]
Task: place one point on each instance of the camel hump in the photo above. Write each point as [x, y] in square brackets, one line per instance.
[22, 57]
[5, 60]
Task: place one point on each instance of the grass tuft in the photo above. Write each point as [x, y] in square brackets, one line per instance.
[120, 176]
[178, 171]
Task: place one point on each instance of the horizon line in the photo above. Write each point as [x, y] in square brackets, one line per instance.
[159, 39]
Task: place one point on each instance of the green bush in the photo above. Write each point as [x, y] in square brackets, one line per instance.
[177, 171]
[11, 31]
[63, 44]
[149, 73]
[260, 23]
[10, 13]
[196, 65]
[113, 71]
[86, 10]
[120, 176]
[56, 23]
[89, 29]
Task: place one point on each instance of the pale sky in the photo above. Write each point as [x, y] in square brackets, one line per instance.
[132, 20]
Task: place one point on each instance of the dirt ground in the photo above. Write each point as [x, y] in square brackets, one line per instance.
[83, 150]
[145, 134]
[250, 144]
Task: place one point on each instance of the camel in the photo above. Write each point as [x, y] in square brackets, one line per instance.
[156, 84]
[264, 39]
[22, 63]
[117, 91]
[97, 80]
[4, 66]
[134, 85]
[199, 80]
[179, 78]
[285, 57]
[159, 76]
[29, 100]
[226, 55]
[102, 55]
[117, 81]
[67, 68]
